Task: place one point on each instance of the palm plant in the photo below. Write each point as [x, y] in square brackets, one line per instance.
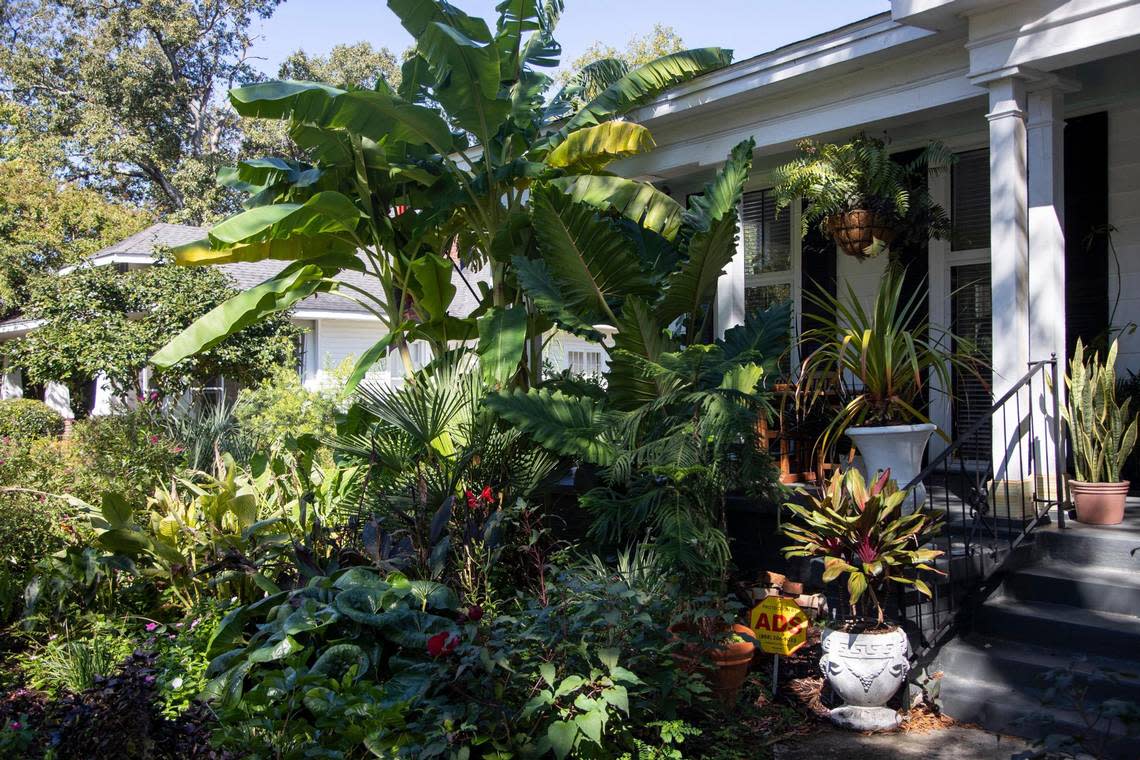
[861, 532]
[860, 175]
[398, 183]
[875, 365]
[1102, 432]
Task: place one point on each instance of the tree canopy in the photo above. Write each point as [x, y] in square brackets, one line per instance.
[101, 320]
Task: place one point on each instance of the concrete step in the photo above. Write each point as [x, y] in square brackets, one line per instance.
[1089, 587]
[1021, 665]
[1114, 546]
[1003, 709]
[1059, 626]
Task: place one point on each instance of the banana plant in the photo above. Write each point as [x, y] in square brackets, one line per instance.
[402, 183]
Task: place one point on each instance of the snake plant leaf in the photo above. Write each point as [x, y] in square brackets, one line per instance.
[574, 426]
[639, 202]
[277, 294]
[593, 148]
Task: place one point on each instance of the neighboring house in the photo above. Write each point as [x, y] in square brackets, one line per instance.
[337, 330]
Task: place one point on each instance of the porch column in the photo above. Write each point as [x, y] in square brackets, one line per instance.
[1009, 267]
[1046, 152]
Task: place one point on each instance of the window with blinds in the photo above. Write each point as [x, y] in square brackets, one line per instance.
[970, 201]
[767, 243]
[588, 363]
[971, 312]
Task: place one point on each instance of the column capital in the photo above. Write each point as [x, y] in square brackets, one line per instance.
[1007, 98]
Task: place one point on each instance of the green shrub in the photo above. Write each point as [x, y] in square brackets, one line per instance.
[29, 529]
[27, 418]
[127, 453]
[282, 406]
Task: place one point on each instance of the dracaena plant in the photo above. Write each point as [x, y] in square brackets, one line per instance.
[1103, 432]
[875, 365]
[861, 532]
[398, 184]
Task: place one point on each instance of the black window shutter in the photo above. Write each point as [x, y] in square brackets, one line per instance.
[1086, 221]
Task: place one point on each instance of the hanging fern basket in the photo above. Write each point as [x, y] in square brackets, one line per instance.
[860, 233]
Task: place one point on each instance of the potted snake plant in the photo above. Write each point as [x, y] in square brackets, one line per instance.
[861, 532]
[1102, 434]
[860, 196]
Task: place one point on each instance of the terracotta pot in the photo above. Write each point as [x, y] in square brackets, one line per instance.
[725, 667]
[732, 661]
[856, 231]
[1099, 503]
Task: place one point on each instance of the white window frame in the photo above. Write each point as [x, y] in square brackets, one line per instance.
[941, 260]
[730, 298]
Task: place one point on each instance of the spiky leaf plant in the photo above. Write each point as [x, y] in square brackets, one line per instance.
[1102, 432]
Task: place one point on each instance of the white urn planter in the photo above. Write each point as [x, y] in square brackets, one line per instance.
[899, 447]
[865, 670]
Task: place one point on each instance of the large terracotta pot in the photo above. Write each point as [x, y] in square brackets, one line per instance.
[1099, 503]
[865, 670]
[898, 447]
[856, 231]
[726, 667]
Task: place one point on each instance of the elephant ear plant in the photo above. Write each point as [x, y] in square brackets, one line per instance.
[861, 532]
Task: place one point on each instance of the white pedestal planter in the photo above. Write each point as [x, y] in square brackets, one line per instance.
[865, 670]
[899, 447]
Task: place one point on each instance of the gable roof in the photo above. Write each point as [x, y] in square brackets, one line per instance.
[141, 248]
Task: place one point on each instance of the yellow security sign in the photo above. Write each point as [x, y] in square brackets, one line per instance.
[779, 625]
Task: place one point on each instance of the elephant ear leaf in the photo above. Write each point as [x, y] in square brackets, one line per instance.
[295, 283]
[502, 338]
[574, 426]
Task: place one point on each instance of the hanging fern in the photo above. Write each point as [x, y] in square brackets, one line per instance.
[861, 174]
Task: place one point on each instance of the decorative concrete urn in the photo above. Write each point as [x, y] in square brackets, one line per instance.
[899, 447]
[865, 670]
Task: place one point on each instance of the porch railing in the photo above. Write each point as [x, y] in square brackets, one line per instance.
[994, 484]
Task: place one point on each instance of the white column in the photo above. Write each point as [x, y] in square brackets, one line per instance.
[103, 403]
[1009, 266]
[58, 398]
[1046, 195]
[729, 301]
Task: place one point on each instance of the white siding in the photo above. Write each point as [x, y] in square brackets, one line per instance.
[1124, 215]
[863, 275]
[560, 347]
[338, 340]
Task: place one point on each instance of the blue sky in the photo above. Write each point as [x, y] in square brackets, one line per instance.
[746, 26]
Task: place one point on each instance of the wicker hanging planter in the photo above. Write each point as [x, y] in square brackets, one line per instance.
[857, 231]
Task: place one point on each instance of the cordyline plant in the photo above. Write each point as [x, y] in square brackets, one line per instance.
[862, 533]
[875, 365]
[397, 184]
[1103, 432]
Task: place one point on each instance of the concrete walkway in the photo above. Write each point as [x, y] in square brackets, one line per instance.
[956, 743]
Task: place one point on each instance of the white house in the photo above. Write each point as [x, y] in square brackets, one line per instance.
[336, 329]
[1040, 99]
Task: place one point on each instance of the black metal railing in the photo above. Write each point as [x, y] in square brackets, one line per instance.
[990, 504]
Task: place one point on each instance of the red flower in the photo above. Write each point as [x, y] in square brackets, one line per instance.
[486, 495]
[154, 439]
[474, 613]
[443, 643]
[471, 502]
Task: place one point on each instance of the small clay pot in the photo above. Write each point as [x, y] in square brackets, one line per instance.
[1099, 503]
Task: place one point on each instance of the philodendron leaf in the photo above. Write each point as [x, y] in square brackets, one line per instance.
[502, 338]
[292, 285]
[562, 735]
